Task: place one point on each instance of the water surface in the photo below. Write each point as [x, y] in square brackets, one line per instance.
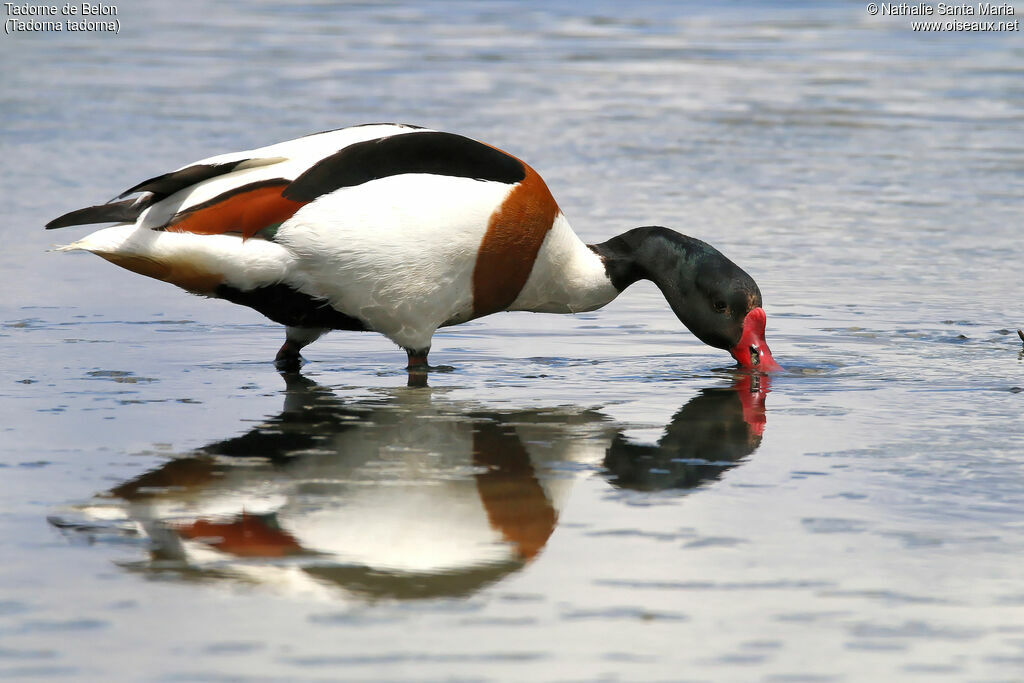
[583, 497]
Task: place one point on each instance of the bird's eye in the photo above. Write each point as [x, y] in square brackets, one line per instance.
[755, 357]
[720, 306]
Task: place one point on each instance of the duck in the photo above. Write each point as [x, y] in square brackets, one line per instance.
[401, 230]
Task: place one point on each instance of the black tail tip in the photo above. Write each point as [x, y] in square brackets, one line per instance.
[126, 211]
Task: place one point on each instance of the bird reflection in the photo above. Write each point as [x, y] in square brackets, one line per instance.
[406, 496]
[712, 433]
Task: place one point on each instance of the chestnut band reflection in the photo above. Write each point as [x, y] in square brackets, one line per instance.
[405, 497]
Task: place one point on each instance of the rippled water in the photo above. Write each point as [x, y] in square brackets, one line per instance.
[595, 496]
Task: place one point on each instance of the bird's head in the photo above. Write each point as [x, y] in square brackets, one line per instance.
[712, 296]
[726, 312]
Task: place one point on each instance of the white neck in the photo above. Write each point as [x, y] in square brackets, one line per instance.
[567, 276]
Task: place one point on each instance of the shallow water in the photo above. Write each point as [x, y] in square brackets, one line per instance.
[583, 497]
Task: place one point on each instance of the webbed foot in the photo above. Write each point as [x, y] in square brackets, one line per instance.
[418, 362]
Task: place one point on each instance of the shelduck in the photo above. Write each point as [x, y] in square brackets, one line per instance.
[401, 230]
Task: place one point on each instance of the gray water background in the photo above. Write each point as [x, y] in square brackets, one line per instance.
[869, 177]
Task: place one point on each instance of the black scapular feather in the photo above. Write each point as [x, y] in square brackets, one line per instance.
[429, 152]
[166, 184]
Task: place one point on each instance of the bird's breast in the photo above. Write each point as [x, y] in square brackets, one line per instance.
[412, 252]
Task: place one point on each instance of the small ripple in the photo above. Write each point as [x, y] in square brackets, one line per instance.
[27, 323]
[1015, 660]
[912, 629]
[52, 626]
[938, 668]
[499, 621]
[636, 533]
[8, 607]
[715, 542]
[233, 648]
[833, 525]
[629, 613]
[414, 658]
[887, 596]
[627, 657]
[875, 646]
[6, 653]
[24, 672]
[911, 539]
[120, 376]
[352, 619]
[522, 597]
[810, 617]
[781, 584]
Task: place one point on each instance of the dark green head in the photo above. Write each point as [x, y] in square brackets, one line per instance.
[710, 294]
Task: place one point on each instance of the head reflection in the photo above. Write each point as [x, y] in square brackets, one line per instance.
[406, 497]
[710, 434]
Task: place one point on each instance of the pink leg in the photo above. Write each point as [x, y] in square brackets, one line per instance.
[418, 359]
